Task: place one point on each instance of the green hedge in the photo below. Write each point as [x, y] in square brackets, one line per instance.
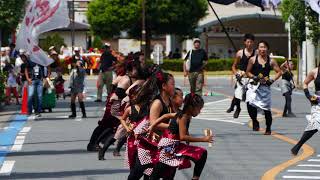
[213, 64]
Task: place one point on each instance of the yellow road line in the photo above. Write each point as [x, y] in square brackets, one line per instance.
[307, 152]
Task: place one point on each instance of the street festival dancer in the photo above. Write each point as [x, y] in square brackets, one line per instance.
[172, 152]
[287, 86]
[162, 86]
[313, 120]
[241, 61]
[259, 91]
[118, 106]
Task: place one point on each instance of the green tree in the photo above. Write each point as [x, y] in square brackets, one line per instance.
[97, 42]
[53, 40]
[300, 13]
[179, 17]
[11, 12]
[297, 10]
[314, 25]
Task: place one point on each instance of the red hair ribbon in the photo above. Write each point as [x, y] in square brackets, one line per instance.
[159, 76]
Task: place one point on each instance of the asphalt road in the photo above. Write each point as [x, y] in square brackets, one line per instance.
[54, 147]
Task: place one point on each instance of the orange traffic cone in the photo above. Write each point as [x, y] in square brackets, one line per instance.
[24, 104]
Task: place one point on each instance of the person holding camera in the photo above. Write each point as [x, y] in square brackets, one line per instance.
[77, 87]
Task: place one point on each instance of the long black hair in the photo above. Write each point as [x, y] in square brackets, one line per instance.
[191, 100]
[152, 87]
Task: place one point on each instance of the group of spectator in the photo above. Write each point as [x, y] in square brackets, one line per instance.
[21, 72]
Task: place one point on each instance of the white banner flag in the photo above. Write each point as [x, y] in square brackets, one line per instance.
[315, 5]
[41, 16]
[275, 3]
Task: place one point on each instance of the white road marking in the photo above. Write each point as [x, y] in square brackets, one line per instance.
[216, 111]
[60, 117]
[6, 168]
[32, 117]
[304, 171]
[25, 130]
[228, 121]
[309, 165]
[215, 102]
[78, 119]
[314, 160]
[301, 177]
[18, 143]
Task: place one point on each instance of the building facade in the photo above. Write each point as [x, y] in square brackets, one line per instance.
[241, 18]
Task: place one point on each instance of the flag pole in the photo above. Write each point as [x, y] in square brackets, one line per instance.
[224, 29]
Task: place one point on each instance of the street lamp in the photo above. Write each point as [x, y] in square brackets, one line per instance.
[290, 19]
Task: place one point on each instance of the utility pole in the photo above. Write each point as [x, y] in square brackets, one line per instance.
[143, 40]
[289, 38]
[72, 28]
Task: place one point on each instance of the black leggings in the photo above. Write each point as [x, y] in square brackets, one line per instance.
[235, 102]
[137, 171]
[161, 168]
[120, 143]
[305, 137]
[253, 115]
[98, 135]
[287, 106]
[108, 141]
[95, 135]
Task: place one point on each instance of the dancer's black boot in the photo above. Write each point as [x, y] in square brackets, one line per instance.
[73, 110]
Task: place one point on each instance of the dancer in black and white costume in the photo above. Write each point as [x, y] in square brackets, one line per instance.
[239, 68]
[287, 86]
[259, 91]
[314, 120]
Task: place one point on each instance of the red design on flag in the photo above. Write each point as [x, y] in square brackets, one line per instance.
[45, 12]
[35, 48]
[42, 16]
[27, 21]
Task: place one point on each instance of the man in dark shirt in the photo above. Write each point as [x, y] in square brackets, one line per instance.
[194, 69]
[105, 74]
[34, 75]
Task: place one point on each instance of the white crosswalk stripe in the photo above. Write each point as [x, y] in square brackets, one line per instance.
[216, 111]
[305, 170]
